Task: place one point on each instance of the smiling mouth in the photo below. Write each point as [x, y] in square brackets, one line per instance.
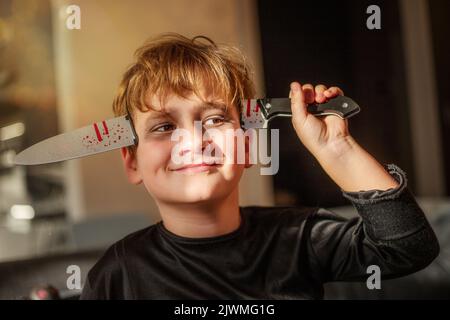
[201, 167]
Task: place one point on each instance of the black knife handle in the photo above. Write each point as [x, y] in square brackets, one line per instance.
[340, 106]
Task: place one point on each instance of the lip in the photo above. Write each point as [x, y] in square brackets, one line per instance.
[200, 167]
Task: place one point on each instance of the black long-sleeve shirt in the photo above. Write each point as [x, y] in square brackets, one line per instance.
[276, 253]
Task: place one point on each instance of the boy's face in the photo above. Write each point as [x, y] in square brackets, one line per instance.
[157, 159]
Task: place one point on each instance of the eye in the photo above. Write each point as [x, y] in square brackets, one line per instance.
[212, 121]
[163, 128]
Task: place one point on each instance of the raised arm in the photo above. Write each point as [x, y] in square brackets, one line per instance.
[391, 232]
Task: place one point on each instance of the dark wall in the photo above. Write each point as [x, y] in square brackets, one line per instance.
[440, 26]
[328, 42]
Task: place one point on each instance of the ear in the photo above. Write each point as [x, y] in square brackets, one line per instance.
[130, 166]
[247, 153]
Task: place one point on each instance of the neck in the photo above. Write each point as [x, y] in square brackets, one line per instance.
[202, 220]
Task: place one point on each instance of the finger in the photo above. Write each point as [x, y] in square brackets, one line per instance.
[298, 105]
[320, 97]
[333, 92]
[308, 92]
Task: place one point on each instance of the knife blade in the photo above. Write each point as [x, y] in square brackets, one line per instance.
[96, 138]
[119, 132]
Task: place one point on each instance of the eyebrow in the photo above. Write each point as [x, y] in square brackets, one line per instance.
[202, 108]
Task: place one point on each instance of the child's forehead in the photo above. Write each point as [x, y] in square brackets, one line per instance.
[173, 103]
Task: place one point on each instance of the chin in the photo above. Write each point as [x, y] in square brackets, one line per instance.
[197, 190]
[193, 197]
[205, 190]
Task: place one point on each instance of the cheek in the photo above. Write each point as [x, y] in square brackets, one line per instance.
[154, 156]
[230, 142]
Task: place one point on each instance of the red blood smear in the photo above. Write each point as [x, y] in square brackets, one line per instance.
[97, 132]
[105, 127]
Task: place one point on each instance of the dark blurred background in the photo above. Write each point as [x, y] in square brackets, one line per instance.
[54, 79]
[328, 42]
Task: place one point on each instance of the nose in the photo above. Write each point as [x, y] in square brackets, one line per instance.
[192, 141]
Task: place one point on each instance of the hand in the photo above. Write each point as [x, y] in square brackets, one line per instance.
[350, 166]
[321, 135]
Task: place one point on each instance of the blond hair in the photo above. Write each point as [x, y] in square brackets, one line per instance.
[174, 64]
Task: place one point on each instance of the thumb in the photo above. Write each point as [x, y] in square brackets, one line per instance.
[298, 104]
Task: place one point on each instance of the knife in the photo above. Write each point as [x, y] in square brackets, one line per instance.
[256, 113]
[119, 132]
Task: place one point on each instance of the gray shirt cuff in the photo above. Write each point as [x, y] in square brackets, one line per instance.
[389, 214]
[373, 196]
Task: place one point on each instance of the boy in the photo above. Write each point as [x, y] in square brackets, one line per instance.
[206, 246]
